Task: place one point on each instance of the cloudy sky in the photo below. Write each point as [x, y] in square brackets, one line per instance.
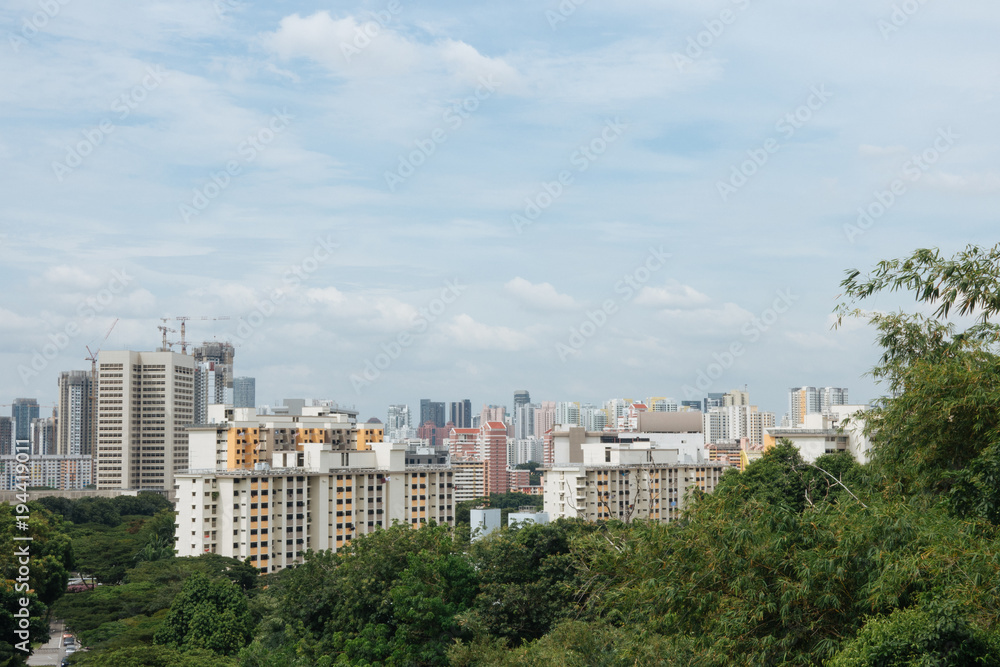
[393, 200]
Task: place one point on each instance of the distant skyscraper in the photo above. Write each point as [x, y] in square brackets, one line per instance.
[6, 436]
[461, 413]
[568, 413]
[521, 397]
[432, 411]
[545, 418]
[244, 392]
[43, 436]
[806, 400]
[713, 400]
[831, 396]
[524, 424]
[75, 422]
[23, 411]
[661, 404]
[493, 413]
[397, 423]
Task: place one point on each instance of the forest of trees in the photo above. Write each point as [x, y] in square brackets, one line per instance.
[891, 563]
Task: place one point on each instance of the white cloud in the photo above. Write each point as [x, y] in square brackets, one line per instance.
[359, 47]
[672, 295]
[467, 333]
[72, 276]
[542, 296]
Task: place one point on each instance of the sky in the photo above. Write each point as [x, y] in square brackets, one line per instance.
[393, 200]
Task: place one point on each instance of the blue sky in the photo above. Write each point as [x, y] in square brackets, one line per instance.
[326, 174]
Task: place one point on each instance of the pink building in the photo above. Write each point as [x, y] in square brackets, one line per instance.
[492, 447]
[545, 418]
[463, 443]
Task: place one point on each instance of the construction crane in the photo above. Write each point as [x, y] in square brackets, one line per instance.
[92, 358]
[164, 329]
[183, 319]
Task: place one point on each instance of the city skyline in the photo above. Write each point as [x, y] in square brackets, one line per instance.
[390, 200]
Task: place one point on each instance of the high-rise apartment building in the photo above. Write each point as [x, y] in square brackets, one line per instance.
[625, 481]
[736, 397]
[734, 422]
[244, 392]
[568, 413]
[23, 411]
[75, 423]
[593, 418]
[661, 404]
[145, 401]
[461, 413]
[524, 421]
[397, 423]
[545, 418]
[831, 396]
[492, 446]
[66, 473]
[803, 401]
[493, 413]
[43, 436]
[6, 436]
[312, 496]
[432, 411]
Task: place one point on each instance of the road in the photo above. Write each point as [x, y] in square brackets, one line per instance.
[52, 652]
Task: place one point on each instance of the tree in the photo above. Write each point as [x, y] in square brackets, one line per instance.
[937, 633]
[528, 580]
[208, 614]
[151, 656]
[937, 434]
[389, 597]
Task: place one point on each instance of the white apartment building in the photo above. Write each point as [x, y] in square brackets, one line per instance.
[734, 422]
[242, 437]
[625, 482]
[803, 401]
[310, 498]
[145, 401]
[65, 473]
[819, 434]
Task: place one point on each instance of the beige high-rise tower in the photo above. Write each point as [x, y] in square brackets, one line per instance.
[145, 401]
